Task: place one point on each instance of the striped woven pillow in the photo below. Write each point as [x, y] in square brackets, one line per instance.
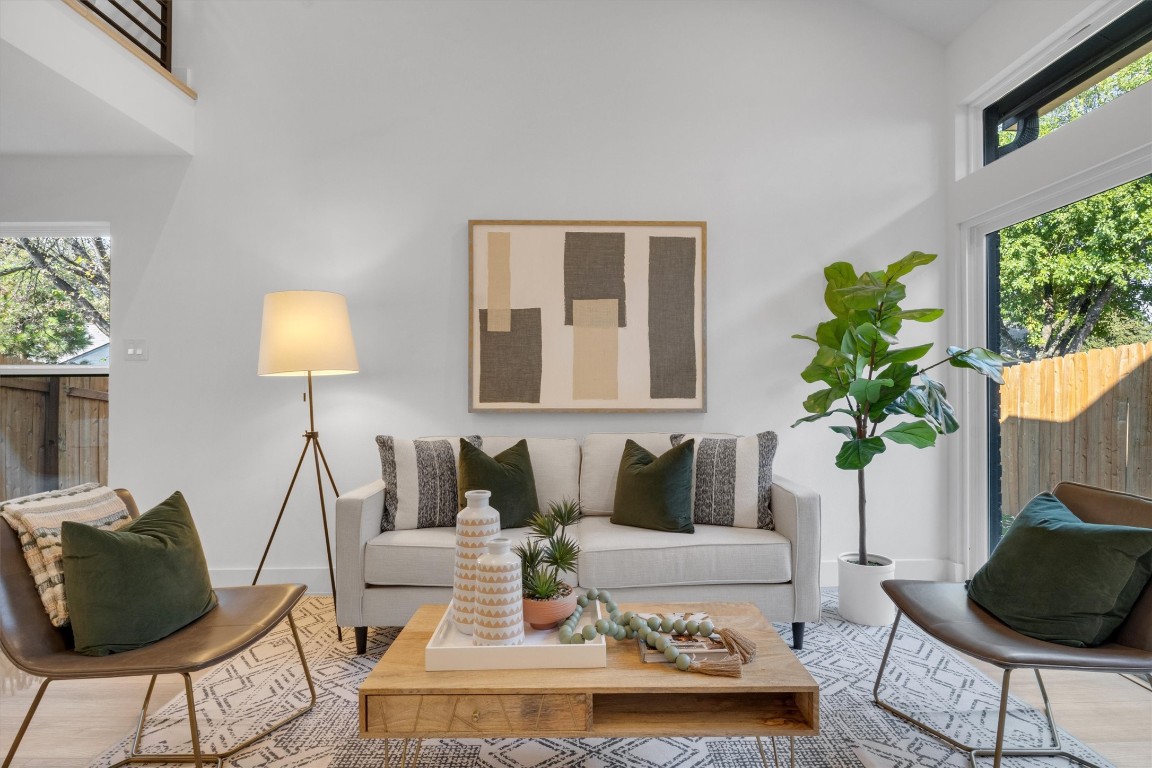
[732, 480]
[38, 518]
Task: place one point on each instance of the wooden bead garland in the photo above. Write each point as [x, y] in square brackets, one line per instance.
[626, 626]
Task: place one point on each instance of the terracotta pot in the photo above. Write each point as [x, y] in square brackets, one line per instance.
[547, 614]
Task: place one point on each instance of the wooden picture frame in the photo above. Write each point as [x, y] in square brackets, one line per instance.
[586, 316]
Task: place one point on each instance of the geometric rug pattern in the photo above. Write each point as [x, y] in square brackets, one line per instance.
[237, 698]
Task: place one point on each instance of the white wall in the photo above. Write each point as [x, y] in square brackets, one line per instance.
[345, 145]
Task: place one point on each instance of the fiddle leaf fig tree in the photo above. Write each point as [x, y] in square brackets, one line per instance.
[878, 386]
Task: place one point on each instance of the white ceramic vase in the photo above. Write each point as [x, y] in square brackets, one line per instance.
[498, 614]
[862, 600]
[476, 524]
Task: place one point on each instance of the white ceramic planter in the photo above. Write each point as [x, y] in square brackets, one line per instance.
[862, 600]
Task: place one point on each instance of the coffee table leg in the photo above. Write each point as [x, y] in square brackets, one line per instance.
[406, 761]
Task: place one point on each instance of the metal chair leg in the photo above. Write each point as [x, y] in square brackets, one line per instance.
[27, 719]
[198, 757]
[998, 751]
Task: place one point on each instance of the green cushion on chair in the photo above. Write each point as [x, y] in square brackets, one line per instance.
[1056, 578]
[133, 586]
[655, 491]
[508, 475]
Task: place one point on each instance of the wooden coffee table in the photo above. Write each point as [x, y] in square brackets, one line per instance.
[775, 696]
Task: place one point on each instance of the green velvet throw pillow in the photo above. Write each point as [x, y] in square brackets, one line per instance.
[1056, 578]
[655, 491]
[508, 475]
[130, 587]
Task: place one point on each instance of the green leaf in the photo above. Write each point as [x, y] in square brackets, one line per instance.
[839, 275]
[929, 401]
[818, 416]
[822, 400]
[919, 315]
[863, 295]
[906, 355]
[898, 269]
[857, 454]
[900, 374]
[831, 332]
[979, 359]
[918, 434]
[802, 336]
[870, 334]
[824, 366]
[867, 390]
[849, 432]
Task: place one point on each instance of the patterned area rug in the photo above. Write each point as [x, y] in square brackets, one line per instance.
[236, 698]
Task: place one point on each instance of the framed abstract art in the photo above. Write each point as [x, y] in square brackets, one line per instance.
[587, 316]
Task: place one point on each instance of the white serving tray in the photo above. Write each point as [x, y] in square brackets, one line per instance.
[542, 649]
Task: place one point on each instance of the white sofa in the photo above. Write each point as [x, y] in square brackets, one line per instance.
[382, 578]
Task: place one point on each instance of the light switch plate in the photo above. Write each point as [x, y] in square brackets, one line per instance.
[136, 349]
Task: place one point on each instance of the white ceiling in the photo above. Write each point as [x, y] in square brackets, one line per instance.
[941, 20]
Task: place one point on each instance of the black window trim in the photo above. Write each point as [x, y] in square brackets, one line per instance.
[1124, 35]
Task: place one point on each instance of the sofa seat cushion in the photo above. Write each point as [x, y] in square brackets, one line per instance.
[418, 557]
[615, 556]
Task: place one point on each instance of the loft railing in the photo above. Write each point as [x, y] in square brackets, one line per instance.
[148, 23]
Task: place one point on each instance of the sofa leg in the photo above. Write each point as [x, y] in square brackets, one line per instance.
[798, 635]
[361, 639]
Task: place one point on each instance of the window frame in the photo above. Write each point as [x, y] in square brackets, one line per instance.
[62, 230]
[1121, 37]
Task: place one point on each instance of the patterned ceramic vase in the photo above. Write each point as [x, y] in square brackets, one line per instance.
[498, 617]
[475, 525]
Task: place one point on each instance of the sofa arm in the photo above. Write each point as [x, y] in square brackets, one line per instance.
[358, 515]
[796, 511]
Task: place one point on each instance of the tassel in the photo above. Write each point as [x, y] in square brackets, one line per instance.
[738, 644]
[729, 666]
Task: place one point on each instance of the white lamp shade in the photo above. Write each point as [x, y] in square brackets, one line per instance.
[306, 332]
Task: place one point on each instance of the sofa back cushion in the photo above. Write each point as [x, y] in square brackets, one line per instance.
[600, 465]
[555, 464]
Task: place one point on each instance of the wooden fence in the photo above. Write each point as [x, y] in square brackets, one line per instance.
[55, 432]
[1083, 417]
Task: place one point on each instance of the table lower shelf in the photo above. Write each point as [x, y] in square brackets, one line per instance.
[623, 714]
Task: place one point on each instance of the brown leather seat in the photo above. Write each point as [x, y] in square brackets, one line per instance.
[244, 615]
[944, 611]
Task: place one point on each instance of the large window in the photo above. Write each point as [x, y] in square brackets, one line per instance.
[1072, 301]
[1107, 65]
[55, 289]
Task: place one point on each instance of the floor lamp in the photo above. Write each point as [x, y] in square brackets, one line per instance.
[307, 333]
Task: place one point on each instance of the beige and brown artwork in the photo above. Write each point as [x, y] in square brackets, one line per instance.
[587, 316]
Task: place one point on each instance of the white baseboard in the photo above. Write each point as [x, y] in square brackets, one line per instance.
[927, 569]
[316, 579]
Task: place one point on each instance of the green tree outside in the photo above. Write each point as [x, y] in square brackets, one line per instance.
[51, 290]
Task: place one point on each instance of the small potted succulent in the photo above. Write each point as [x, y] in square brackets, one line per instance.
[547, 554]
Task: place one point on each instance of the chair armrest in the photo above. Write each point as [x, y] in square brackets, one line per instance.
[358, 515]
[796, 511]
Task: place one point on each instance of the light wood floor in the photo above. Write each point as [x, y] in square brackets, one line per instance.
[78, 720]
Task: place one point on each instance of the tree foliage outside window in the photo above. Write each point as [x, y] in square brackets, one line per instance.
[52, 289]
[1079, 277]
